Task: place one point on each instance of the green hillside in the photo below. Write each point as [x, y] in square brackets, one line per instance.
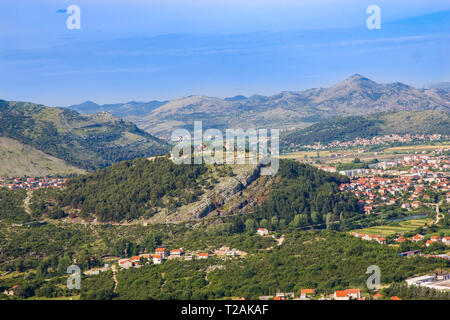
[87, 142]
[133, 189]
[305, 196]
[18, 159]
[348, 128]
[299, 195]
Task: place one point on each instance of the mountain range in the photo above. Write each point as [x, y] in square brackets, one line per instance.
[128, 109]
[287, 110]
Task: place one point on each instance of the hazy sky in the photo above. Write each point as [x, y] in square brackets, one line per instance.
[145, 50]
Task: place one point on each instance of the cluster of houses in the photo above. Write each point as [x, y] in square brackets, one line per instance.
[160, 255]
[369, 237]
[308, 294]
[377, 187]
[31, 183]
[377, 140]
[418, 237]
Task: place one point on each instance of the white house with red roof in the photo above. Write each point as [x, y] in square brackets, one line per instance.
[417, 237]
[125, 263]
[176, 252]
[157, 259]
[446, 240]
[349, 294]
[435, 238]
[162, 252]
[262, 232]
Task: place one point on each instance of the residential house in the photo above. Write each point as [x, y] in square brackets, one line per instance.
[136, 260]
[377, 296]
[305, 293]
[176, 252]
[162, 252]
[347, 294]
[157, 258]
[125, 263]
[417, 237]
[262, 232]
[435, 238]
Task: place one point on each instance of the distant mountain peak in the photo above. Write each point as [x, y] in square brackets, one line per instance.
[357, 76]
[355, 82]
[89, 103]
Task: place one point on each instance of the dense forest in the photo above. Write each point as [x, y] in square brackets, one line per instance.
[11, 206]
[88, 142]
[133, 189]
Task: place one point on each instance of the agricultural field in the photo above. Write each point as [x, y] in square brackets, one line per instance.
[417, 148]
[396, 228]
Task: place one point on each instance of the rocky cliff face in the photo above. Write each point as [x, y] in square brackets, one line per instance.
[230, 196]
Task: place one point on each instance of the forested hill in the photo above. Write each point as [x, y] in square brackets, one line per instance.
[87, 142]
[305, 196]
[299, 195]
[133, 189]
[348, 128]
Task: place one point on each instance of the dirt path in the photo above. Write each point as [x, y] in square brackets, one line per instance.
[437, 214]
[26, 202]
[281, 240]
[114, 271]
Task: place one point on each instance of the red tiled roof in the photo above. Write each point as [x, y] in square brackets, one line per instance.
[353, 290]
[341, 293]
[307, 291]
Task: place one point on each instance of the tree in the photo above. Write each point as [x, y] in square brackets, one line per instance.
[328, 221]
[264, 223]
[250, 225]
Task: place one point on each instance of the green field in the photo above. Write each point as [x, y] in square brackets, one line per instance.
[387, 230]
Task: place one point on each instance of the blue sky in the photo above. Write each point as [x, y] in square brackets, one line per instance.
[145, 50]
